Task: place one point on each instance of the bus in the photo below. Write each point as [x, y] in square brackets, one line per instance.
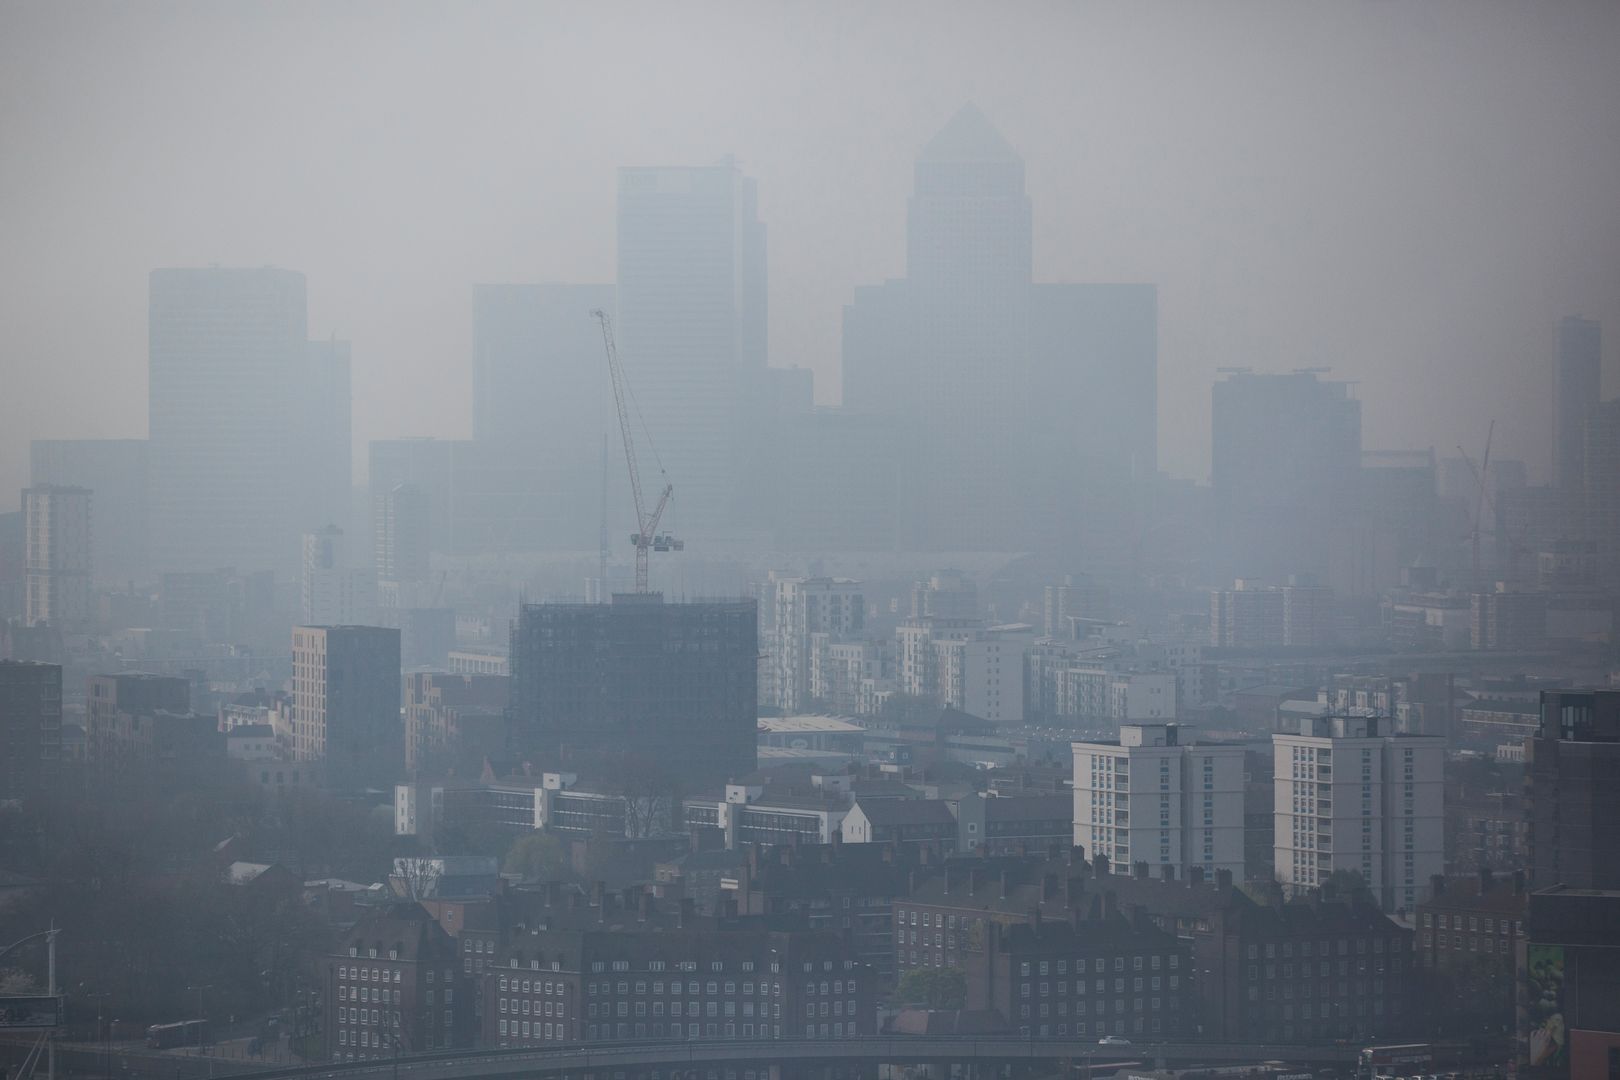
[179, 1033]
[1376, 1061]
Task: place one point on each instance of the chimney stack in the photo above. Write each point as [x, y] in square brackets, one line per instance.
[1168, 871]
[1195, 876]
[1141, 868]
[1437, 884]
[1004, 884]
[1486, 880]
[1100, 864]
[1518, 882]
[1223, 879]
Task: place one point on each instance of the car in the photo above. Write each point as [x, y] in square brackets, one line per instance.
[1113, 1040]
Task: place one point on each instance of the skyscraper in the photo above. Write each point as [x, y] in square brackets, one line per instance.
[1577, 386]
[541, 400]
[115, 472]
[227, 358]
[1025, 412]
[1601, 500]
[800, 608]
[57, 575]
[691, 328]
[675, 685]
[404, 523]
[346, 700]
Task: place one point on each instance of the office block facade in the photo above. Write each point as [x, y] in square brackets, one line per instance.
[674, 684]
[346, 703]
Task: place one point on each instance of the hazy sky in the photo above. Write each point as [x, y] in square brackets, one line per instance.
[1411, 193]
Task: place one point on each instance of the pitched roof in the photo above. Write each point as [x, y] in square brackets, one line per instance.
[968, 136]
[907, 812]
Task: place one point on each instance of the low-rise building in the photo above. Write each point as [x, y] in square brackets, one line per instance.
[395, 985]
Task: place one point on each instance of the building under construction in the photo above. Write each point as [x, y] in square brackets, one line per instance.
[637, 684]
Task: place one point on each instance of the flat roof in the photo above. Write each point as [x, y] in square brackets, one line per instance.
[779, 725]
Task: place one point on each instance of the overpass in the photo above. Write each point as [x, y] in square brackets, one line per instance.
[901, 1049]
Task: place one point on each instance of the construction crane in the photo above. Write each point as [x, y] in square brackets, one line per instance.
[646, 538]
[1480, 473]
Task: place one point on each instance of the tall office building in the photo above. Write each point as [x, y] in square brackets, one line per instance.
[801, 608]
[1571, 794]
[541, 402]
[1151, 798]
[1286, 463]
[1003, 391]
[346, 703]
[673, 683]
[404, 537]
[228, 352]
[57, 575]
[30, 727]
[691, 307]
[114, 470]
[1578, 385]
[1347, 796]
[335, 592]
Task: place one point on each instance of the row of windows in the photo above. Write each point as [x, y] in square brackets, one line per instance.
[1100, 1008]
[1099, 965]
[1045, 988]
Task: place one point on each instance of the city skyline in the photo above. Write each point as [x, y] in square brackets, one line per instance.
[1274, 299]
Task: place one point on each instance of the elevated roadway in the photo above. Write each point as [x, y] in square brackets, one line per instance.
[904, 1049]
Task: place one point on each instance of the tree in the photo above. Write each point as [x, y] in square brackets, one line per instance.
[537, 856]
[937, 988]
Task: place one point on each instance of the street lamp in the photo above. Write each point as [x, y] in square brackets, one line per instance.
[202, 1016]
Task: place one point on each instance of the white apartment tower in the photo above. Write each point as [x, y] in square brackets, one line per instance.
[1348, 797]
[334, 593]
[802, 608]
[1149, 798]
[56, 521]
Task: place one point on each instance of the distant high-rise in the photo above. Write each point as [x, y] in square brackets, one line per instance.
[228, 351]
[691, 305]
[541, 401]
[57, 577]
[30, 727]
[1572, 800]
[1578, 385]
[801, 608]
[1004, 392]
[674, 684]
[335, 593]
[115, 472]
[1286, 463]
[346, 701]
[404, 537]
[133, 715]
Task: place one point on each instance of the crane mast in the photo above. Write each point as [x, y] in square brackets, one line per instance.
[646, 537]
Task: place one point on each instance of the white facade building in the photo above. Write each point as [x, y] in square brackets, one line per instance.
[334, 593]
[1348, 797]
[1148, 798]
[802, 608]
[56, 521]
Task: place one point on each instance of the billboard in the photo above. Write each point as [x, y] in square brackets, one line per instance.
[1544, 1005]
[30, 1012]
